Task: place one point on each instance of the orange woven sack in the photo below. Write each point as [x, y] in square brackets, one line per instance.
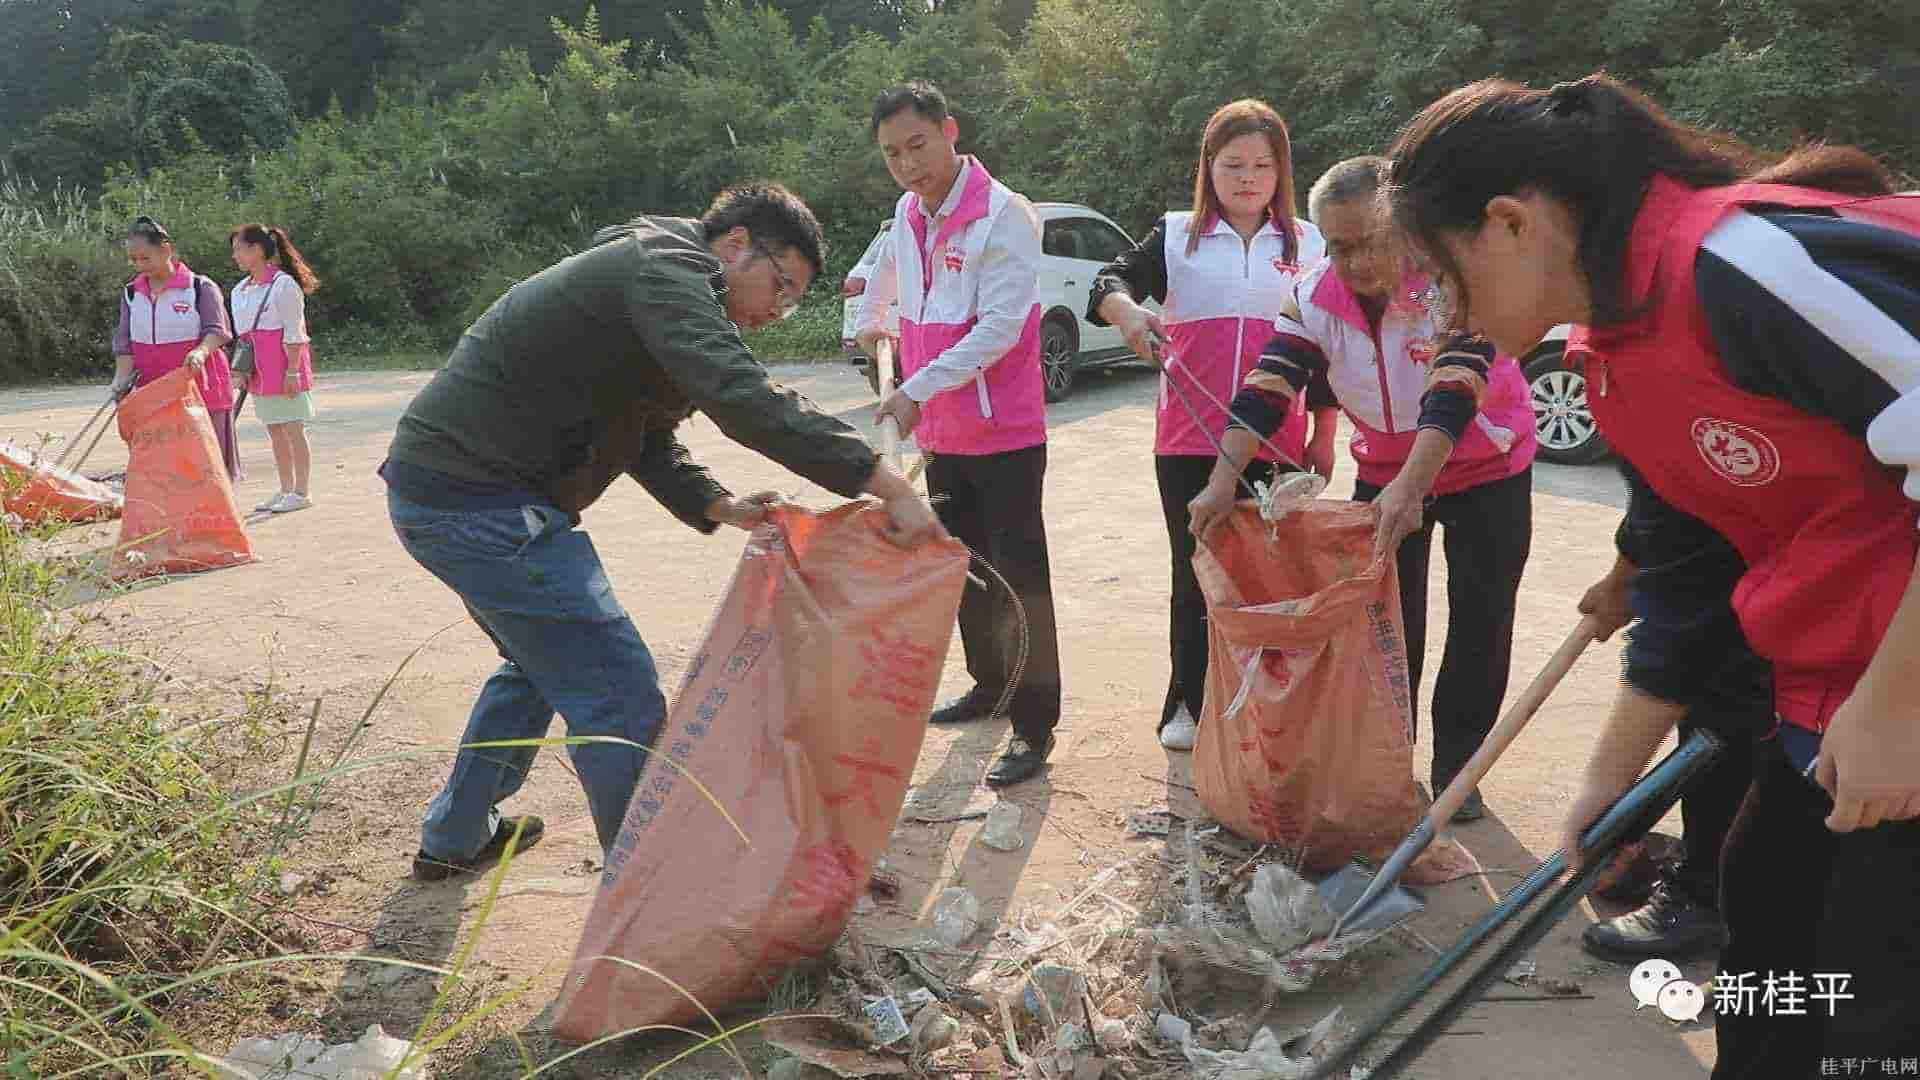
[802, 714]
[41, 494]
[1306, 739]
[180, 515]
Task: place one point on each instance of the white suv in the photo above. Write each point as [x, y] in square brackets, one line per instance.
[1075, 242]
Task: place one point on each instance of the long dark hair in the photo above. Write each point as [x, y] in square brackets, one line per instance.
[1594, 144]
[1230, 121]
[280, 251]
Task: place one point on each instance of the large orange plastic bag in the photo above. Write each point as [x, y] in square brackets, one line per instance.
[180, 515]
[1307, 734]
[803, 714]
[39, 493]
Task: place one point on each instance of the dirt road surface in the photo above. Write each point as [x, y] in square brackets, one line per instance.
[334, 606]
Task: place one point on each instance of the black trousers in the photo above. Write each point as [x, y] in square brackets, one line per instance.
[1801, 900]
[992, 504]
[1489, 532]
[1182, 479]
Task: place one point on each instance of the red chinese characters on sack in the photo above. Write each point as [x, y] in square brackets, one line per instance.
[896, 671]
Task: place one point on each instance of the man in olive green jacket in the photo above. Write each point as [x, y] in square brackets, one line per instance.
[578, 374]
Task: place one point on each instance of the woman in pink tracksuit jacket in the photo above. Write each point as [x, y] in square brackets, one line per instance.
[171, 316]
[1441, 435]
[1219, 272]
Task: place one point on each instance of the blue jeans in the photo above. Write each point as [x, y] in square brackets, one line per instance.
[534, 583]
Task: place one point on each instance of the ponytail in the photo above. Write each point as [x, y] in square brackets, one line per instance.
[279, 250]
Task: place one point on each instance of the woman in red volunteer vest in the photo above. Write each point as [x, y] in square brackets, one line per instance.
[170, 316]
[1218, 272]
[270, 312]
[1752, 341]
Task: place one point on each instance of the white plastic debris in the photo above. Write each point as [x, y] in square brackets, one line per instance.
[374, 1056]
[1173, 1029]
[1002, 831]
[956, 916]
[1287, 910]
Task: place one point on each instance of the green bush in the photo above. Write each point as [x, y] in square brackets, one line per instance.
[812, 333]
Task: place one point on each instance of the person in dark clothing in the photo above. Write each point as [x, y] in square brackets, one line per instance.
[1674, 579]
[1751, 334]
[575, 376]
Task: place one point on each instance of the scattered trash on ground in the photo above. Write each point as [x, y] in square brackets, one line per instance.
[374, 1056]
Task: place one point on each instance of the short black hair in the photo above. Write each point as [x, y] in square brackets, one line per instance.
[919, 95]
[773, 216]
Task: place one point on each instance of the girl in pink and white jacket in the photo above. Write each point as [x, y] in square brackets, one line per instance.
[171, 316]
[1442, 434]
[1219, 273]
[270, 312]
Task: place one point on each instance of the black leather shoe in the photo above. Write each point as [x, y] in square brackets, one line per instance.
[1470, 811]
[1022, 761]
[428, 868]
[965, 709]
[1668, 926]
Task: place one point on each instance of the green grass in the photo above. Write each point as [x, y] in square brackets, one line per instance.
[135, 893]
[101, 883]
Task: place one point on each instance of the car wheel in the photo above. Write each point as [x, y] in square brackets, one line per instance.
[1562, 420]
[1058, 355]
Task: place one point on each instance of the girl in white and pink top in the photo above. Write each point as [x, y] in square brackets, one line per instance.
[1219, 273]
[270, 312]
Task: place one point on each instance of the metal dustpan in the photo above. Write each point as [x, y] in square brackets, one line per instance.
[1375, 902]
[1357, 914]
[1638, 810]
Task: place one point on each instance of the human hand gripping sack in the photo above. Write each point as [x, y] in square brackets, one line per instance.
[747, 513]
[1401, 505]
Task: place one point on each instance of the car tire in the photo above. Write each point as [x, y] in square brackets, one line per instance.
[1562, 420]
[1059, 357]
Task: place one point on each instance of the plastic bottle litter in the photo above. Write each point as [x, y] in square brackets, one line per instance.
[374, 1056]
[956, 916]
[1052, 993]
[1002, 831]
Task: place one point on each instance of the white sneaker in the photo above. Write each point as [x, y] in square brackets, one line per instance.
[267, 504]
[289, 502]
[1180, 731]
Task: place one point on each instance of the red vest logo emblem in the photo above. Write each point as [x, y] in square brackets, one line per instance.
[1420, 351]
[953, 260]
[1285, 267]
[1741, 455]
[181, 307]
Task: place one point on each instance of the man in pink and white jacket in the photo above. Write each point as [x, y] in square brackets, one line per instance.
[1442, 434]
[963, 263]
